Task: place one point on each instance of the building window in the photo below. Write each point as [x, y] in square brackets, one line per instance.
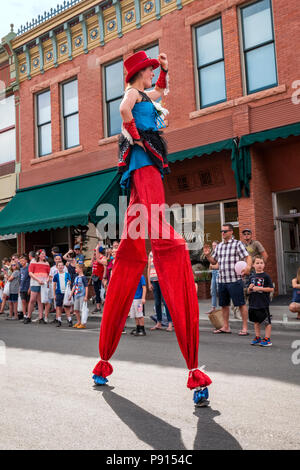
[113, 91]
[70, 114]
[7, 129]
[259, 46]
[44, 123]
[210, 63]
[153, 53]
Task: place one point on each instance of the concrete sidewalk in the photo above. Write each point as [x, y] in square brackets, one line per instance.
[278, 312]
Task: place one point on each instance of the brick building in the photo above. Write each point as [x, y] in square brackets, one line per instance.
[233, 129]
[8, 136]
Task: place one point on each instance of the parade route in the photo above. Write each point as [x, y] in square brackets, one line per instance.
[49, 400]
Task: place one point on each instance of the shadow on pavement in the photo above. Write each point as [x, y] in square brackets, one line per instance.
[163, 436]
[229, 354]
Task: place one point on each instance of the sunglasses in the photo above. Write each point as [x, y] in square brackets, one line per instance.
[225, 231]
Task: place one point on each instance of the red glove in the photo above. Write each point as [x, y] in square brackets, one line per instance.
[131, 128]
[162, 79]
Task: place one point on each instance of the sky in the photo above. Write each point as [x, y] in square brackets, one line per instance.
[19, 12]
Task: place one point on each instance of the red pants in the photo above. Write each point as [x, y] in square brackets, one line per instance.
[173, 266]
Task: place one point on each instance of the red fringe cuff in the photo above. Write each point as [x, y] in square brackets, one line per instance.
[103, 369]
[197, 378]
[162, 80]
[131, 128]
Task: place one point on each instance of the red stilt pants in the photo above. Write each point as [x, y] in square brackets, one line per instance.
[173, 266]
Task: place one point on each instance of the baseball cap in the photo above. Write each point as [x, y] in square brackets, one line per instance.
[101, 249]
[77, 247]
[247, 230]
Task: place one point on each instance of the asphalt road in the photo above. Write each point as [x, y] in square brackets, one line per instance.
[49, 400]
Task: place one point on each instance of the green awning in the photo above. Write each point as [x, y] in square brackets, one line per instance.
[241, 157]
[203, 150]
[282, 132]
[59, 204]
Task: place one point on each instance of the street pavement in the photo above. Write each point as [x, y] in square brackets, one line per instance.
[49, 400]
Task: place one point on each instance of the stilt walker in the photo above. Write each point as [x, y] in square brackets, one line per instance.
[143, 163]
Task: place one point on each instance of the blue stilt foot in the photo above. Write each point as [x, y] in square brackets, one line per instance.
[201, 397]
[99, 380]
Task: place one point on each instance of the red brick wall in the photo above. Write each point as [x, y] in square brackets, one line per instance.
[256, 212]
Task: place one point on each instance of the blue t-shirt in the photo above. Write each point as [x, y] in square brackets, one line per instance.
[24, 279]
[139, 291]
[80, 284]
[79, 258]
[56, 279]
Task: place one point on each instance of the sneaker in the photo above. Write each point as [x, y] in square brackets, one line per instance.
[20, 316]
[140, 333]
[256, 340]
[124, 331]
[53, 321]
[42, 321]
[96, 310]
[133, 331]
[58, 324]
[266, 342]
[81, 327]
[70, 323]
[27, 320]
[76, 325]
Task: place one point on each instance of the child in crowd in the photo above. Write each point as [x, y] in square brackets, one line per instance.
[57, 258]
[80, 291]
[295, 305]
[24, 284]
[14, 285]
[1, 287]
[60, 281]
[136, 310]
[39, 270]
[259, 291]
[6, 271]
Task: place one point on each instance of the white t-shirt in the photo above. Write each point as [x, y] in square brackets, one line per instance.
[62, 283]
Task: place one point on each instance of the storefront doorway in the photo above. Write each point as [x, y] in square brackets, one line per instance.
[287, 220]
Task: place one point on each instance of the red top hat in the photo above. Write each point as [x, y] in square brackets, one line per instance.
[137, 62]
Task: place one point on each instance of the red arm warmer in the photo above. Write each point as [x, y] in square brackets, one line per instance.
[131, 128]
[162, 79]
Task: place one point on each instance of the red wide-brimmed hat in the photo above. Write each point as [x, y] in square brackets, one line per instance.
[137, 62]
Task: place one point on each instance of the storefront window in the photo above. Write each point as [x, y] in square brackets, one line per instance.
[201, 223]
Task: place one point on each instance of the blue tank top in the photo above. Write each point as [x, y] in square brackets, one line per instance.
[145, 118]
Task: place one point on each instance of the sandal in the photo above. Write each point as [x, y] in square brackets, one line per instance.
[169, 329]
[218, 332]
[243, 333]
[156, 327]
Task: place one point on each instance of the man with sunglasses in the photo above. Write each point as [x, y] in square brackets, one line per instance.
[227, 254]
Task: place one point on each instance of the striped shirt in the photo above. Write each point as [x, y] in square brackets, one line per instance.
[227, 255]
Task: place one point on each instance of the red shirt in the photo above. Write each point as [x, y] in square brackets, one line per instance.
[98, 269]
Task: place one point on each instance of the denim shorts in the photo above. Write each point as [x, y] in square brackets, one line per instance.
[35, 288]
[233, 291]
[13, 298]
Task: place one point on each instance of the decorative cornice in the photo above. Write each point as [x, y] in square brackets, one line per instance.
[83, 27]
